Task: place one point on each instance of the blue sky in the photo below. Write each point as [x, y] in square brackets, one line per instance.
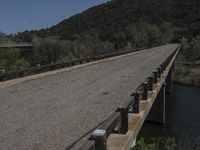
[20, 15]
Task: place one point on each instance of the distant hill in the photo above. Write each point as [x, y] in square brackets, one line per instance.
[115, 15]
[122, 12]
[120, 25]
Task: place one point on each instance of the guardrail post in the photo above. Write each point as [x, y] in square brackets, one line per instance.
[87, 59]
[150, 83]
[124, 120]
[145, 91]
[99, 136]
[159, 72]
[72, 63]
[155, 75]
[20, 72]
[81, 61]
[164, 66]
[136, 104]
[161, 69]
[173, 66]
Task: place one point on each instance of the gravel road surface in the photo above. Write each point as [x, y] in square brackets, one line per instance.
[52, 112]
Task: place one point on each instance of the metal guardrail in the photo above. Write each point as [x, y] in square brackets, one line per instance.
[21, 72]
[119, 119]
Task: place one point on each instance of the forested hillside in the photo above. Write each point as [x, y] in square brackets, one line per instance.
[118, 25]
[114, 16]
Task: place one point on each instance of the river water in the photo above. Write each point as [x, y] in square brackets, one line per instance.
[182, 117]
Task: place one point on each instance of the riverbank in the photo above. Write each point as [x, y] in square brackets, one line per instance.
[181, 130]
[187, 66]
[188, 75]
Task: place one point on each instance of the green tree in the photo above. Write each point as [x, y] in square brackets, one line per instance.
[185, 46]
[46, 50]
[195, 49]
[119, 40]
[191, 50]
[10, 59]
[162, 143]
[137, 35]
[155, 35]
[167, 31]
[4, 38]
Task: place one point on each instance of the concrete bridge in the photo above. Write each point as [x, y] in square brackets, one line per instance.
[16, 45]
[94, 106]
[25, 48]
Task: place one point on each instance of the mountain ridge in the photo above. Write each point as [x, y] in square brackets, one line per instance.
[116, 14]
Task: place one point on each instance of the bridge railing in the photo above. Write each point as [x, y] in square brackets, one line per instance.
[119, 120]
[21, 72]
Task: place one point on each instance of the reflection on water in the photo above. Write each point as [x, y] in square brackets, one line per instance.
[182, 116]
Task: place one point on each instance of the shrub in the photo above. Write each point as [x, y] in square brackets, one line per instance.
[10, 59]
[163, 143]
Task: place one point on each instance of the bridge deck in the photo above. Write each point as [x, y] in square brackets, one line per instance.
[54, 111]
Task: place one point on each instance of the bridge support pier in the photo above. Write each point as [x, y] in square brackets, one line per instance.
[157, 112]
[169, 82]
